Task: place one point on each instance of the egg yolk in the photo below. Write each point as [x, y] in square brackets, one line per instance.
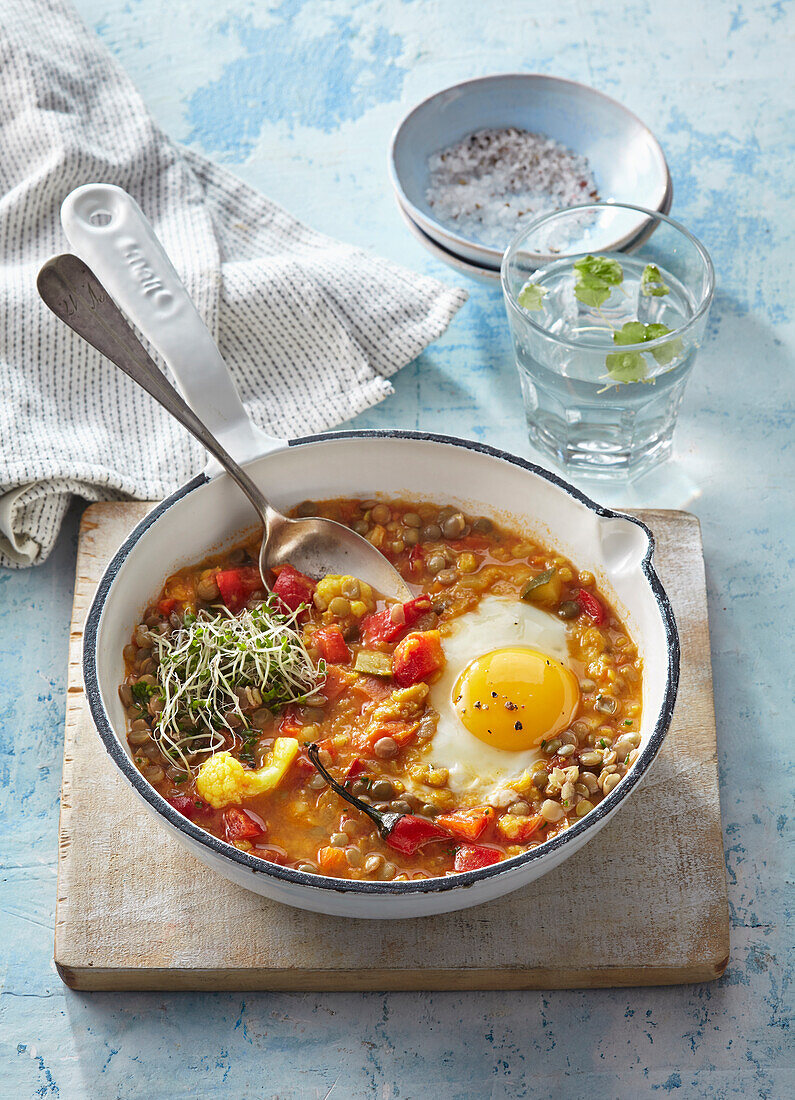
[515, 698]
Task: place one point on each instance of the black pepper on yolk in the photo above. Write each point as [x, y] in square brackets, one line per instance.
[515, 698]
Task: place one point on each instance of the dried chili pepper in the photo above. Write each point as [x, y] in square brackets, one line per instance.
[403, 832]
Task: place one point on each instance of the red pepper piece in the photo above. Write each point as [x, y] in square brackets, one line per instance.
[356, 767]
[381, 627]
[236, 585]
[416, 560]
[289, 726]
[242, 824]
[468, 824]
[410, 832]
[592, 607]
[166, 605]
[336, 683]
[331, 645]
[329, 746]
[471, 857]
[302, 766]
[293, 588]
[416, 657]
[183, 804]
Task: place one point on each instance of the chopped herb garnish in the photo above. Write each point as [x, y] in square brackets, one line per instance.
[143, 692]
[627, 721]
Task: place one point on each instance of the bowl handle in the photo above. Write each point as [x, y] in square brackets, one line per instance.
[108, 230]
[625, 543]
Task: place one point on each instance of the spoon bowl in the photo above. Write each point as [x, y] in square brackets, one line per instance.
[314, 545]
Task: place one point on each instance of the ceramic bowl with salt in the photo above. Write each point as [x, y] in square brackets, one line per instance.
[625, 159]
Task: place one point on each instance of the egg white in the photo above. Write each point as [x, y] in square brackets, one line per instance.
[475, 768]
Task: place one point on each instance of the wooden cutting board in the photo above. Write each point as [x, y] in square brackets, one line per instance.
[643, 904]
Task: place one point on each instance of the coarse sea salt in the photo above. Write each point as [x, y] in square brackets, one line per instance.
[488, 185]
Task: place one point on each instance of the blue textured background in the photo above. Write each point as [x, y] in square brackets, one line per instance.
[300, 99]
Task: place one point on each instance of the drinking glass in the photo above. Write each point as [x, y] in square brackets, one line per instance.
[607, 305]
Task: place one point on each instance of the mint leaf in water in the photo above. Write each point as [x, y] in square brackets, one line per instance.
[626, 366]
[591, 295]
[595, 276]
[599, 270]
[632, 332]
[652, 284]
[630, 366]
[665, 353]
[531, 296]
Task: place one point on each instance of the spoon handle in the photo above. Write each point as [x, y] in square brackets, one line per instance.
[108, 230]
[76, 296]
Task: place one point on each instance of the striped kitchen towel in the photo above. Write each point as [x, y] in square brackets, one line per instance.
[311, 328]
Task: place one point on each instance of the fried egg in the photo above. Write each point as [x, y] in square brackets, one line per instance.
[506, 687]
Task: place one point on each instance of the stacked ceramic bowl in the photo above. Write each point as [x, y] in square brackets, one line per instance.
[625, 159]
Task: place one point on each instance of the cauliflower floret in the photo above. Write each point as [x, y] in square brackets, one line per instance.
[222, 780]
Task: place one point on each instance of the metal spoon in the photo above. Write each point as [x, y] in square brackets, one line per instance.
[315, 546]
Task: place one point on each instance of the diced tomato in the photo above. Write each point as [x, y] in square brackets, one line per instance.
[470, 542]
[374, 688]
[242, 824]
[410, 833]
[272, 855]
[337, 682]
[471, 857]
[416, 657]
[416, 560]
[302, 766]
[183, 804]
[468, 824]
[331, 645]
[356, 767]
[166, 605]
[332, 861]
[293, 588]
[289, 726]
[381, 627]
[402, 732]
[329, 746]
[236, 585]
[592, 607]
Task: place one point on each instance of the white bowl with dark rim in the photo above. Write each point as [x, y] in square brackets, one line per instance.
[627, 160]
[210, 513]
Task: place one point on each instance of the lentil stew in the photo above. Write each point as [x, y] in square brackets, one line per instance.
[318, 727]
